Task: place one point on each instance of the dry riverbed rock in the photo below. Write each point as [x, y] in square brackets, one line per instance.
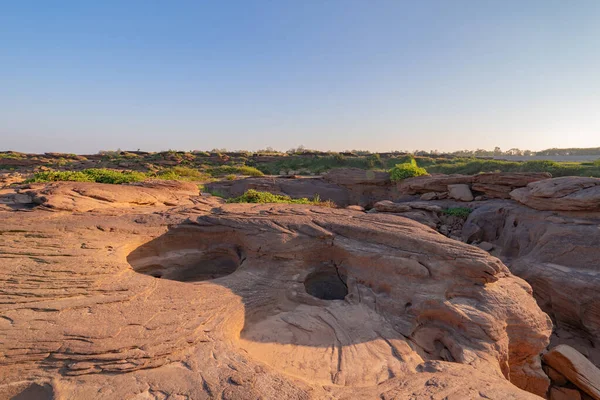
[567, 193]
[85, 196]
[492, 184]
[210, 300]
[557, 253]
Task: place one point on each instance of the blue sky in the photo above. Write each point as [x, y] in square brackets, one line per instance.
[83, 76]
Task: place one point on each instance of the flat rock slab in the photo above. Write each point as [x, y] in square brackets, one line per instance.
[568, 193]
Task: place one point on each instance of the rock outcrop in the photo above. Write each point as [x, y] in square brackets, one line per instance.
[85, 196]
[492, 184]
[295, 187]
[561, 194]
[421, 211]
[236, 301]
[499, 185]
[557, 253]
[354, 186]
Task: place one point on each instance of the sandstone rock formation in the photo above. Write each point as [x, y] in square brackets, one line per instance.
[561, 194]
[353, 186]
[557, 253]
[85, 196]
[420, 211]
[576, 368]
[290, 186]
[492, 184]
[499, 185]
[139, 299]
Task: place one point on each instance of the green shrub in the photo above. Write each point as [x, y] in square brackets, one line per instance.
[12, 154]
[406, 170]
[99, 175]
[54, 176]
[183, 174]
[540, 166]
[374, 161]
[462, 212]
[255, 196]
[234, 169]
[216, 193]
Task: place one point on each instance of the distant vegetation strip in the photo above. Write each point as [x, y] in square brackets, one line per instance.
[103, 175]
[205, 166]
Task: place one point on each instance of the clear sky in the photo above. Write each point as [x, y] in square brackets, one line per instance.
[82, 76]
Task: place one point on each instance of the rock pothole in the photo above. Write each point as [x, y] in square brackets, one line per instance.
[180, 256]
[326, 285]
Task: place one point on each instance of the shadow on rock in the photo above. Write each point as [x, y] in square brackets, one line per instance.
[349, 298]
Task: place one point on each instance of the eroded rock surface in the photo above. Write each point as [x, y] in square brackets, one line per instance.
[492, 184]
[568, 193]
[576, 368]
[354, 186]
[241, 302]
[85, 196]
[557, 253]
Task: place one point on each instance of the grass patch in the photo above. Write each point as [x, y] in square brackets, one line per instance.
[461, 212]
[183, 174]
[470, 166]
[315, 165]
[258, 197]
[224, 170]
[216, 193]
[13, 155]
[98, 175]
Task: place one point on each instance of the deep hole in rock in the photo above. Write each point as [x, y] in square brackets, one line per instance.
[168, 259]
[326, 285]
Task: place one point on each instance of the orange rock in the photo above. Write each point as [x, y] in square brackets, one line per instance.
[576, 368]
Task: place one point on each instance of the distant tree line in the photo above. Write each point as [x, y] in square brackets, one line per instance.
[497, 151]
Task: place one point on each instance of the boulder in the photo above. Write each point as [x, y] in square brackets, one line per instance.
[429, 196]
[561, 393]
[460, 192]
[556, 377]
[561, 194]
[576, 368]
[432, 183]
[493, 191]
[390, 206]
